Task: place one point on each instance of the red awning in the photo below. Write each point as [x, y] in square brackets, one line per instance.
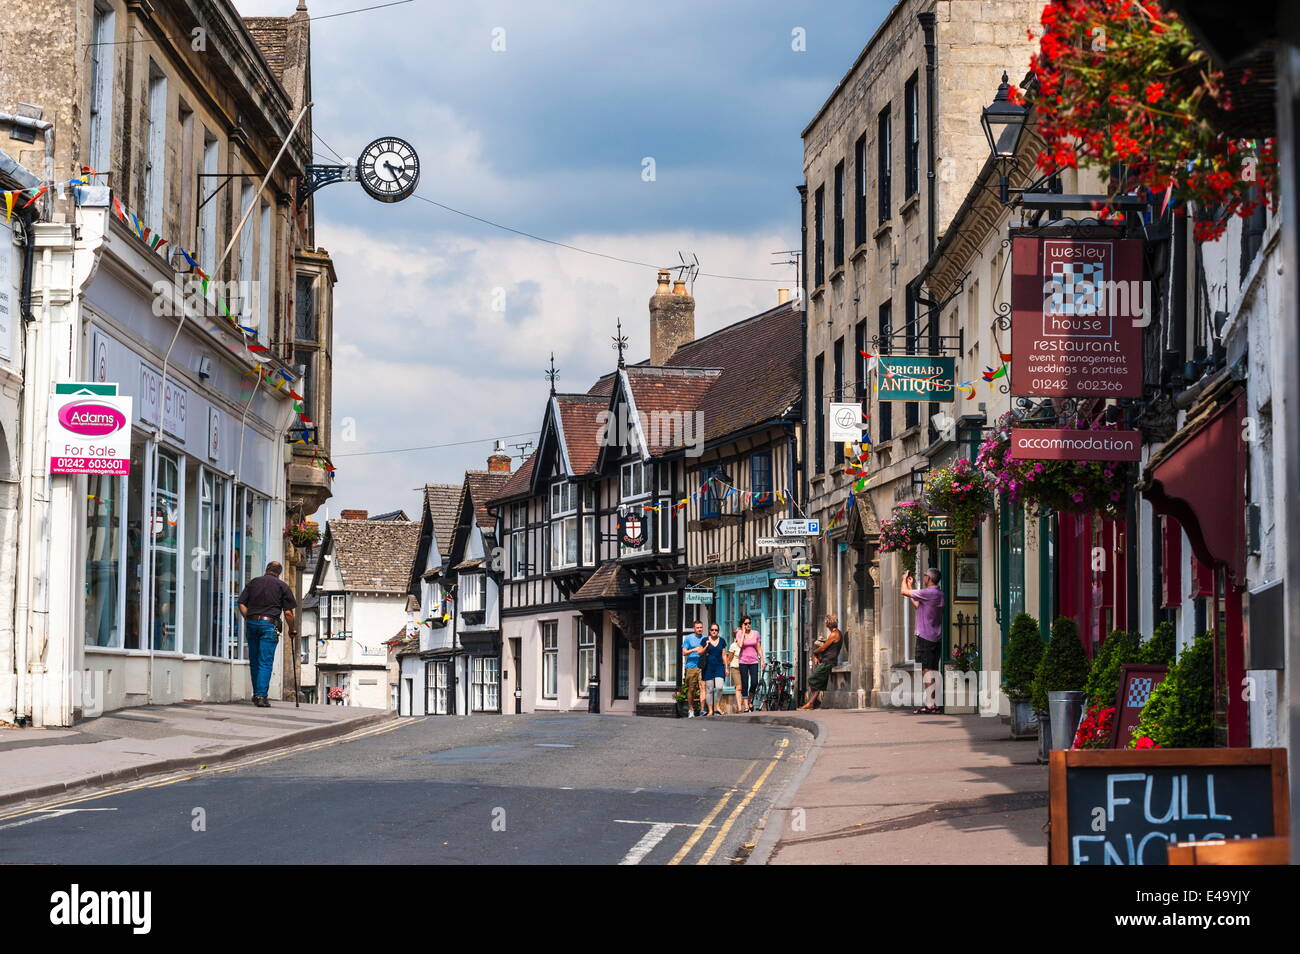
[1202, 483]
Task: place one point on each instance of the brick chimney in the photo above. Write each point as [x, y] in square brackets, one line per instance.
[672, 319]
[354, 514]
[499, 462]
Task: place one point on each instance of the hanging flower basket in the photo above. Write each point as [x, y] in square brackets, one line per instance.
[305, 534]
[960, 490]
[903, 532]
[1122, 86]
[1064, 486]
[336, 692]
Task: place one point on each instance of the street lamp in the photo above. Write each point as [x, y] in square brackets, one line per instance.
[1004, 124]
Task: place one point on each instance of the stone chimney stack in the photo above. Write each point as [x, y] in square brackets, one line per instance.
[672, 319]
[354, 514]
[499, 462]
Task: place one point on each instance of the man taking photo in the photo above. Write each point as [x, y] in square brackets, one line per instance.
[261, 604]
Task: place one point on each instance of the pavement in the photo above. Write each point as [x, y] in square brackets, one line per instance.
[883, 786]
[567, 788]
[149, 740]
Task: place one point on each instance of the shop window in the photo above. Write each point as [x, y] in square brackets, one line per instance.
[622, 658]
[105, 552]
[206, 546]
[586, 654]
[135, 546]
[165, 524]
[550, 659]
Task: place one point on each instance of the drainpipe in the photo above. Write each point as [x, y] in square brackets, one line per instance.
[803, 416]
[927, 21]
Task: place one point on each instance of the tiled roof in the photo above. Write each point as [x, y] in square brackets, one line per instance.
[374, 556]
[761, 363]
[520, 481]
[272, 37]
[670, 393]
[484, 485]
[442, 501]
[579, 415]
[610, 582]
[391, 515]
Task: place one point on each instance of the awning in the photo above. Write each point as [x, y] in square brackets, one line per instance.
[1200, 479]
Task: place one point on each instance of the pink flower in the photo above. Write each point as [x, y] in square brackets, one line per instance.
[1077, 498]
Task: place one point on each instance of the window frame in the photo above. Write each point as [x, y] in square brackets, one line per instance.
[884, 165]
[585, 649]
[550, 670]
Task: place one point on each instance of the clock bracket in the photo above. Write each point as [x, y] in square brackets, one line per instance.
[319, 176]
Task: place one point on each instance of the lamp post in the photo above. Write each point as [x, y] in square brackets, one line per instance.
[1004, 124]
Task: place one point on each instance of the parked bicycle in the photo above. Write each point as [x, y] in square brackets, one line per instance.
[776, 689]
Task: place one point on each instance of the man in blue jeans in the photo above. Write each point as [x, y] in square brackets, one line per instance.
[261, 603]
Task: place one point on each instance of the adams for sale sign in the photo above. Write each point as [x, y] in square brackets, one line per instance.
[90, 434]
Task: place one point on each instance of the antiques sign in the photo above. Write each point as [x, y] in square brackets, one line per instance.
[916, 377]
[1034, 443]
[1078, 307]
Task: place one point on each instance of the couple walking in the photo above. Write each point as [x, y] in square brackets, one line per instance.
[707, 660]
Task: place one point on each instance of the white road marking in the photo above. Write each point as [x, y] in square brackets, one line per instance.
[45, 813]
[650, 840]
[552, 745]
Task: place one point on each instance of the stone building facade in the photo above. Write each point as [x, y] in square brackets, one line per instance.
[887, 161]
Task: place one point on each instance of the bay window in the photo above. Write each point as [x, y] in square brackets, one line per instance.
[518, 541]
[470, 592]
[589, 549]
[632, 481]
[564, 524]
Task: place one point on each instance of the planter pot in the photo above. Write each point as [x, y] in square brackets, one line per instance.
[1024, 721]
[1044, 736]
[681, 710]
[961, 694]
[1065, 709]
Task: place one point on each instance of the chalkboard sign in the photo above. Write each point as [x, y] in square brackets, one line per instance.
[1135, 685]
[1124, 807]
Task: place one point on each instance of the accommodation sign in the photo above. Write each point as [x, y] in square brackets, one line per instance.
[916, 377]
[1032, 443]
[1078, 307]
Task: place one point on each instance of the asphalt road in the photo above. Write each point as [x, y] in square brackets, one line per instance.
[526, 789]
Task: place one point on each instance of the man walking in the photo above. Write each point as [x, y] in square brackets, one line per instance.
[929, 623]
[825, 654]
[691, 668]
[261, 603]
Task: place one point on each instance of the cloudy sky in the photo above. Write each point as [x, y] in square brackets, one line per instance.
[548, 136]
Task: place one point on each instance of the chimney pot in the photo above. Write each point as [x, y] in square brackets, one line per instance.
[354, 514]
[499, 462]
[679, 287]
[662, 288]
[672, 319]
[782, 296]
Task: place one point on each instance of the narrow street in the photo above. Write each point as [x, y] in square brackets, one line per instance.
[556, 789]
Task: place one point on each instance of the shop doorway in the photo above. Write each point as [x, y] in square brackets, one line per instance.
[437, 675]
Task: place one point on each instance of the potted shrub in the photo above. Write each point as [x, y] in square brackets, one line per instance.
[904, 532]
[1180, 712]
[1024, 650]
[1058, 686]
[1161, 648]
[1102, 686]
[680, 699]
[960, 490]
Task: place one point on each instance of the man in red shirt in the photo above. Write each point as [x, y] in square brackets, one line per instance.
[929, 631]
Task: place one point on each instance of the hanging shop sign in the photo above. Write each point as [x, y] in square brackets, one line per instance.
[631, 529]
[1078, 307]
[89, 434]
[757, 580]
[1126, 806]
[846, 422]
[946, 541]
[1031, 443]
[939, 522]
[699, 597]
[916, 377]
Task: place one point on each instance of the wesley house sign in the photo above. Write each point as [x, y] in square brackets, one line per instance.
[1078, 307]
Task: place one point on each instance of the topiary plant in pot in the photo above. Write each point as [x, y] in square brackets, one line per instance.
[1160, 649]
[1057, 693]
[1119, 648]
[1024, 650]
[1180, 712]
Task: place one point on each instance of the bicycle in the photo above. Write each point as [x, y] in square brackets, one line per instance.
[777, 694]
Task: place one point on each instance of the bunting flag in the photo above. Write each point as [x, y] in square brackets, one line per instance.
[9, 205]
[1006, 357]
[37, 193]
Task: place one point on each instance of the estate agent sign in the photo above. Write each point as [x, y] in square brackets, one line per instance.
[1078, 307]
[89, 434]
[916, 377]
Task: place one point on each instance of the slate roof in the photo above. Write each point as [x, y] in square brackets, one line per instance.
[374, 556]
[442, 501]
[391, 515]
[610, 582]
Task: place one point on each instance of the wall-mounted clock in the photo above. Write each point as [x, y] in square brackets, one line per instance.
[389, 169]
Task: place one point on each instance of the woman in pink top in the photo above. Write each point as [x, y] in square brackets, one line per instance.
[751, 654]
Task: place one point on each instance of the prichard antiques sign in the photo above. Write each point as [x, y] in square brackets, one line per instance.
[1078, 307]
[1032, 443]
[916, 377]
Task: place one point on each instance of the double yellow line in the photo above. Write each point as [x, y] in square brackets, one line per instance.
[159, 782]
[736, 812]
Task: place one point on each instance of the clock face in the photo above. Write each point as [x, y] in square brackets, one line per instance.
[389, 169]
